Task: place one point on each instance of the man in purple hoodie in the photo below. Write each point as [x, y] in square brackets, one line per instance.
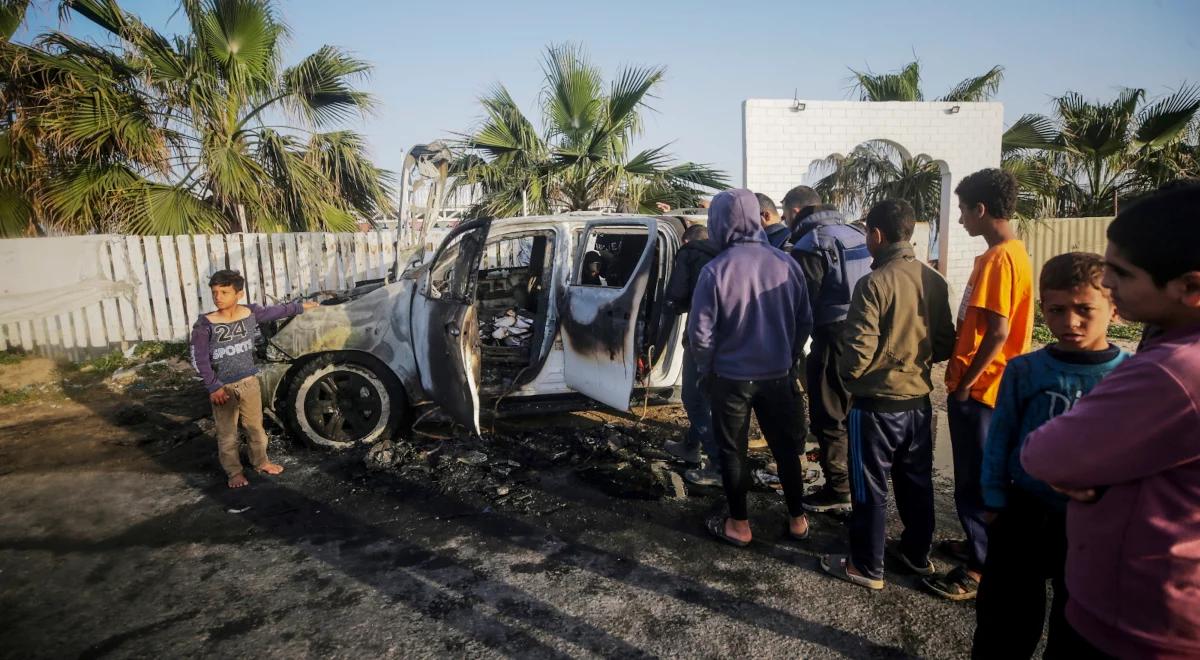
[1128, 453]
[750, 308]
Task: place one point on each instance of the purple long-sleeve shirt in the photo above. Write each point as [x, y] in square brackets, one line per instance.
[1133, 558]
[750, 316]
[223, 353]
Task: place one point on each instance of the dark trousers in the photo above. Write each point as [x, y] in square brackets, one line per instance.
[699, 412]
[773, 402]
[1073, 646]
[1027, 545]
[899, 445]
[829, 404]
[969, 421]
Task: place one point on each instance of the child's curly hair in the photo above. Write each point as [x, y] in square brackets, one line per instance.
[994, 188]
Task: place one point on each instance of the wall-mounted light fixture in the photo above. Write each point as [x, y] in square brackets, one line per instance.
[797, 106]
[954, 110]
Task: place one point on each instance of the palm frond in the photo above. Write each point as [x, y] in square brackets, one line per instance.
[979, 88]
[572, 98]
[242, 37]
[12, 13]
[155, 208]
[903, 85]
[1168, 119]
[320, 90]
[1031, 131]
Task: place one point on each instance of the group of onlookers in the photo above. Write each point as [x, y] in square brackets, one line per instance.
[1076, 464]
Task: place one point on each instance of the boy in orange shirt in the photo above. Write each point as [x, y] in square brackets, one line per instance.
[995, 324]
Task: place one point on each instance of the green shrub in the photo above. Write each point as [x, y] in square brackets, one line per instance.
[150, 351]
[13, 397]
[102, 366]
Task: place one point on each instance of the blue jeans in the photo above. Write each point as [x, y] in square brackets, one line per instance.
[699, 412]
[969, 421]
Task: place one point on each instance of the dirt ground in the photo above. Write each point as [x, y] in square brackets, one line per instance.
[118, 538]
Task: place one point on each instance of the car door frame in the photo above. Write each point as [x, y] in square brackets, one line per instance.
[598, 324]
[445, 334]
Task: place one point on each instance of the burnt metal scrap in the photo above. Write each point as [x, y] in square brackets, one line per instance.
[624, 462]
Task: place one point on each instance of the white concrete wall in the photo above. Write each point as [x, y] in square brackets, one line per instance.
[780, 144]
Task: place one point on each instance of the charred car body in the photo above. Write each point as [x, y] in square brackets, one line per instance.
[517, 310]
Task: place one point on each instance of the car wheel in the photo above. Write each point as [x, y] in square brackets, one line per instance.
[335, 403]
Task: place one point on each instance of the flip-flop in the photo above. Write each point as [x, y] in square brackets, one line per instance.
[716, 526]
[836, 565]
[787, 529]
[955, 585]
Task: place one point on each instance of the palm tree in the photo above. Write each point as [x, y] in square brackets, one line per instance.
[876, 169]
[201, 132]
[905, 85]
[1026, 152]
[582, 158]
[1109, 152]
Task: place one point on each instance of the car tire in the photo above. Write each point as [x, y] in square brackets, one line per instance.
[334, 402]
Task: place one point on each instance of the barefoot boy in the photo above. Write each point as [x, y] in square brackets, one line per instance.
[1132, 445]
[1027, 536]
[223, 355]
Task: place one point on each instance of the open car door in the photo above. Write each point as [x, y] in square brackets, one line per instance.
[445, 330]
[599, 308]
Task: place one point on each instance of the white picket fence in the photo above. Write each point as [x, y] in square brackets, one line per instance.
[171, 276]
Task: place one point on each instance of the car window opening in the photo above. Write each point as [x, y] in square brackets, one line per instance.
[513, 297]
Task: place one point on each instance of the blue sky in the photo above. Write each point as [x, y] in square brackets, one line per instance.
[433, 59]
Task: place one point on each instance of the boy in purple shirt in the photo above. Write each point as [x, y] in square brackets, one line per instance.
[1128, 453]
[223, 355]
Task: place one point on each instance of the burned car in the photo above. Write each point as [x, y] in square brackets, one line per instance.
[513, 311]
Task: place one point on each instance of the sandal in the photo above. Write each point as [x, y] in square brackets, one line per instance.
[955, 585]
[956, 549]
[928, 569]
[837, 566]
[787, 530]
[716, 526]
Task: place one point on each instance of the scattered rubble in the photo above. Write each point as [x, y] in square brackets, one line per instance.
[505, 468]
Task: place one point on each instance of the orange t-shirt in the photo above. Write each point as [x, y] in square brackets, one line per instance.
[1001, 282]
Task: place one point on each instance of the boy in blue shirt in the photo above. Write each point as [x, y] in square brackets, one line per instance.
[1027, 519]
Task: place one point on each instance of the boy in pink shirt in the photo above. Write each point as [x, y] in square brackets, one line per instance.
[1128, 453]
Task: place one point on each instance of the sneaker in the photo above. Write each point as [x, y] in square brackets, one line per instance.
[702, 477]
[680, 450]
[826, 501]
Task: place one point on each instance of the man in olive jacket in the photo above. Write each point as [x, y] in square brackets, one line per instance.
[899, 325]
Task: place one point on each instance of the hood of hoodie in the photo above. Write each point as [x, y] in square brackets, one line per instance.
[817, 219]
[733, 217]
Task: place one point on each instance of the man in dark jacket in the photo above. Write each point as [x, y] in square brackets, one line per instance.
[696, 251]
[833, 256]
[750, 308]
[777, 232]
[899, 325]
